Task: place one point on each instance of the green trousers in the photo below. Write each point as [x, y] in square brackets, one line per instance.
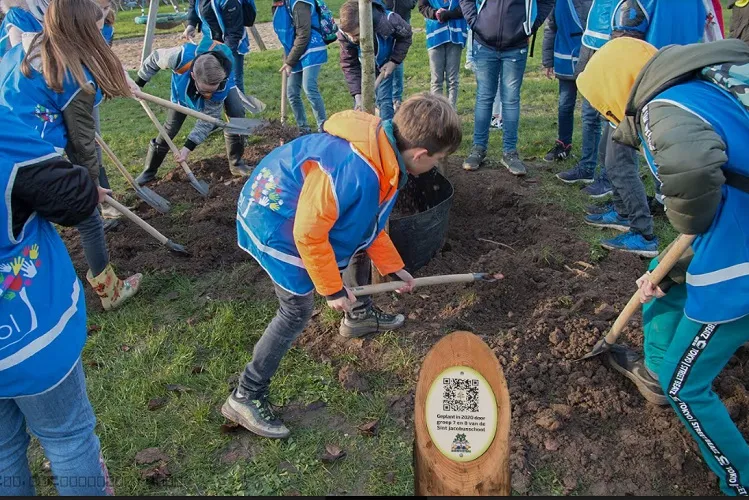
[687, 356]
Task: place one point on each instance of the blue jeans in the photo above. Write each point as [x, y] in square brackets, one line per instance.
[239, 70]
[398, 83]
[63, 421]
[491, 67]
[384, 98]
[591, 125]
[307, 80]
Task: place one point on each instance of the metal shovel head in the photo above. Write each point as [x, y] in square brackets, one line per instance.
[156, 201]
[200, 186]
[244, 126]
[252, 103]
[176, 247]
[601, 347]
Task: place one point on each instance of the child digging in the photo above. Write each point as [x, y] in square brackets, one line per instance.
[311, 210]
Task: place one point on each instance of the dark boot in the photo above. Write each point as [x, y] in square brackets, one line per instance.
[360, 323]
[234, 151]
[630, 364]
[154, 159]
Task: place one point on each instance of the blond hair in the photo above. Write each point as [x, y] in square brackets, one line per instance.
[107, 4]
[209, 70]
[70, 42]
[428, 121]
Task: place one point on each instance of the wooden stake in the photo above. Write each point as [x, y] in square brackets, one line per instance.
[257, 38]
[461, 449]
[153, 11]
[366, 45]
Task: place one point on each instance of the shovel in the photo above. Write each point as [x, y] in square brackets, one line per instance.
[237, 126]
[284, 84]
[145, 194]
[392, 286]
[252, 103]
[175, 247]
[200, 186]
[681, 244]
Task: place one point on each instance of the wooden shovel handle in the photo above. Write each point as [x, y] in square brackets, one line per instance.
[140, 222]
[116, 161]
[680, 245]
[177, 107]
[163, 134]
[284, 84]
[428, 281]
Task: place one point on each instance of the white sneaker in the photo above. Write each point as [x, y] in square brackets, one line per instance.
[496, 122]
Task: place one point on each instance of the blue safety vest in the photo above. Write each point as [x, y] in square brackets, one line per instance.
[21, 19]
[37, 105]
[283, 25]
[718, 276]
[183, 85]
[568, 39]
[108, 33]
[453, 31]
[666, 22]
[268, 204]
[42, 304]
[217, 6]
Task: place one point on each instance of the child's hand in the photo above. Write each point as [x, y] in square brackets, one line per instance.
[648, 291]
[343, 304]
[409, 281]
[182, 155]
[549, 73]
[439, 14]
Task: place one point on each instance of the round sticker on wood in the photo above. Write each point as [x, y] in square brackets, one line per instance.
[461, 413]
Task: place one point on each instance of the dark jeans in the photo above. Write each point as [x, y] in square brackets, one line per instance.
[591, 124]
[294, 311]
[623, 170]
[239, 70]
[93, 242]
[175, 119]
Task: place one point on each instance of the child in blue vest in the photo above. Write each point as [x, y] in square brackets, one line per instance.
[562, 41]
[297, 24]
[446, 36]
[224, 21]
[688, 109]
[43, 318]
[392, 40]
[317, 206]
[57, 99]
[202, 79]
[21, 16]
[107, 31]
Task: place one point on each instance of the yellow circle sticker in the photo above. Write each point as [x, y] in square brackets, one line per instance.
[461, 414]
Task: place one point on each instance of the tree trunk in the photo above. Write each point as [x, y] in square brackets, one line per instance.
[366, 44]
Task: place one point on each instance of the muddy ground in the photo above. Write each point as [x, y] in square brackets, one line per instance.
[582, 421]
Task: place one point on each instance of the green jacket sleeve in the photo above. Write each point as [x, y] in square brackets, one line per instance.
[80, 126]
[690, 156]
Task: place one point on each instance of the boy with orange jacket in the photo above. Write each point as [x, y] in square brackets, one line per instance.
[317, 206]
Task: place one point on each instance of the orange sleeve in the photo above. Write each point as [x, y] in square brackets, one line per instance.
[317, 212]
[384, 255]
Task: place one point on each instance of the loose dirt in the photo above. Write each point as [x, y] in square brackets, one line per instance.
[582, 421]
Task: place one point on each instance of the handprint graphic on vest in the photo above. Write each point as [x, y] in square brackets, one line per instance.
[17, 276]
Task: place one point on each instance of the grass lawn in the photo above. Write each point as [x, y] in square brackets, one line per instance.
[174, 326]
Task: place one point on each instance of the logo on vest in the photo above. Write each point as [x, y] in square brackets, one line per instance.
[45, 116]
[265, 191]
[17, 275]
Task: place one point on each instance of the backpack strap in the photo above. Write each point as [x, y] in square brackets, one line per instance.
[738, 181]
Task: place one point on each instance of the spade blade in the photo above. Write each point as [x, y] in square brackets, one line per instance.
[244, 126]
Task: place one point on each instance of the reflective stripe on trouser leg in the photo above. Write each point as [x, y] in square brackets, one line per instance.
[696, 356]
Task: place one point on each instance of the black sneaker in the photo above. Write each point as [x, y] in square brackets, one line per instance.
[255, 415]
[373, 320]
[513, 163]
[630, 364]
[656, 207]
[475, 159]
[559, 152]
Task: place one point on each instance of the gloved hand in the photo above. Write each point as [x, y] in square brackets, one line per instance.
[189, 32]
[358, 106]
[387, 69]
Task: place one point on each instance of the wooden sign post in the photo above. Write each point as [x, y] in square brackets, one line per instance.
[462, 421]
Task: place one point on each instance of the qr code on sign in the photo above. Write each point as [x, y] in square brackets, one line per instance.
[460, 394]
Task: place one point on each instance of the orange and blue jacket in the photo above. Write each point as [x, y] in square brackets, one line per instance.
[315, 202]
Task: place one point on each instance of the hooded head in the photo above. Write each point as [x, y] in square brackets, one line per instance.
[611, 73]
